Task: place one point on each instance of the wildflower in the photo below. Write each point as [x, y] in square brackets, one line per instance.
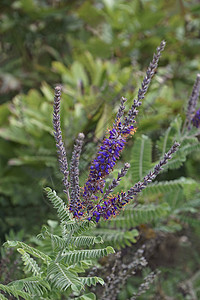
[113, 145]
[92, 201]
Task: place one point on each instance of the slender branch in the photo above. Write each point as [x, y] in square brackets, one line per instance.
[138, 187]
[115, 182]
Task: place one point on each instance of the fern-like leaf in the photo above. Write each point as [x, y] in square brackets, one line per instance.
[71, 257]
[30, 250]
[141, 158]
[172, 134]
[59, 205]
[116, 237]
[168, 186]
[142, 214]
[30, 263]
[180, 156]
[34, 286]
[59, 275]
[89, 296]
[76, 227]
[11, 290]
[91, 280]
[3, 297]
[78, 241]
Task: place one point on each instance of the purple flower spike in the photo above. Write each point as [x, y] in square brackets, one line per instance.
[104, 162]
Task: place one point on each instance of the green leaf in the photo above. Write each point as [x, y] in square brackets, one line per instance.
[141, 154]
[141, 214]
[30, 263]
[89, 296]
[59, 275]
[59, 205]
[71, 257]
[30, 250]
[11, 290]
[32, 285]
[47, 91]
[61, 243]
[168, 186]
[91, 280]
[117, 238]
[173, 133]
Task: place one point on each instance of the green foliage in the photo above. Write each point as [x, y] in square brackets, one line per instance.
[116, 237]
[169, 186]
[93, 52]
[142, 214]
[30, 263]
[99, 52]
[55, 268]
[78, 241]
[13, 291]
[59, 205]
[189, 142]
[32, 285]
[70, 257]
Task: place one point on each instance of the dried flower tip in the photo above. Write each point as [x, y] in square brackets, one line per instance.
[81, 136]
[145, 84]
[120, 112]
[58, 88]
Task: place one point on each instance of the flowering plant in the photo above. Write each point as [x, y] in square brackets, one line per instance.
[92, 201]
[56, 265]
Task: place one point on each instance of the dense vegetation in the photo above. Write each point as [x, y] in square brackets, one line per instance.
[99, 51]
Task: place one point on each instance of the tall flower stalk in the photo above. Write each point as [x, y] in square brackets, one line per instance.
[62, 157]
[93, 201]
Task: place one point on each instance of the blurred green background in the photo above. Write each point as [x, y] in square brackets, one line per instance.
[98, 51]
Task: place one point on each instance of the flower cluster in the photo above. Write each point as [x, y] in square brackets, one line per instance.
[105, 160]
[91, 201]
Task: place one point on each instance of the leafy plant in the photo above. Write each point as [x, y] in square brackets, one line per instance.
[55, 270]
